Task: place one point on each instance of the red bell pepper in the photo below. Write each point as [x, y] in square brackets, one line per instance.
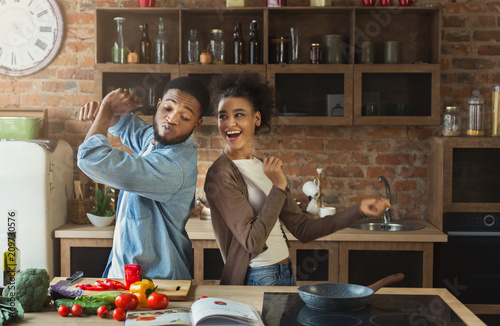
[103, 285]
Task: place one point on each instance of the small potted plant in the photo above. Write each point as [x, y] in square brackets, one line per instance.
[101, 214]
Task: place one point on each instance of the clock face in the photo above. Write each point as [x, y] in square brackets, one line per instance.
[30, 35]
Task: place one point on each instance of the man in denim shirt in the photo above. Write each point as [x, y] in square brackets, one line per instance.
[157, 181]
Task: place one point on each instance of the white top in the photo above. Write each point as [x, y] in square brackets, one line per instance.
[259, 186]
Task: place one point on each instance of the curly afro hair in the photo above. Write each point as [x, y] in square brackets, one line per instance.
[249, 86]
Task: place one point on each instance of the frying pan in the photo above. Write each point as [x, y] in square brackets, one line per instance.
[341, 297]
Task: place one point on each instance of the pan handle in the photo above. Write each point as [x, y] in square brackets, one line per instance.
[386, 281]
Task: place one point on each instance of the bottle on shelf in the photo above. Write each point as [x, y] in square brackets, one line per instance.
[145, 45]
[161, 42]
[11, 259]
[193, 47]
[238, 45]
[118, 50]
[217, 46]
[254, 44]
[476, 117]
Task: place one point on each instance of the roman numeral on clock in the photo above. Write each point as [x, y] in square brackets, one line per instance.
[45, 29]
[13, 59]
[42, 13]
[41, 44]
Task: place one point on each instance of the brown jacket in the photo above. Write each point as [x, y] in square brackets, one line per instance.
[241, 235]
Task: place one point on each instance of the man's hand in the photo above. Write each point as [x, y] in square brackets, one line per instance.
[273, 169]
[121, 101]
[374, 207]
[89, 111]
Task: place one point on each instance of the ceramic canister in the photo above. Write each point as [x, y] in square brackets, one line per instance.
[333, 48]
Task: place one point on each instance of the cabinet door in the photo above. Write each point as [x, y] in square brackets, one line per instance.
[367, 262]
[312, 94]
[205, 73]
[314, 262]
[147, 81]
[396, 94]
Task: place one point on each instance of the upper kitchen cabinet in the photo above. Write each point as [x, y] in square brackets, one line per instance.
[463, 176]
[338, 91]
[405, 92]
[309, 93]
[146, 80]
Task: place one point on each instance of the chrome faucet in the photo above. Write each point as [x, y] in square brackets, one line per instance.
[387, 213]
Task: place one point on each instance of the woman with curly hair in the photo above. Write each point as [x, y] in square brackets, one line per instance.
[248, 196]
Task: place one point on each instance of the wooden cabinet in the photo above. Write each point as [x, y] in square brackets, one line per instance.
[305, 93]
[463, 176]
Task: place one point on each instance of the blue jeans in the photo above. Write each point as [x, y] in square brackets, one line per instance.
[272, 275]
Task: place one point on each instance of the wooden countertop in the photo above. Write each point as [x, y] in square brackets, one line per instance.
[198, 229]
[251, 295]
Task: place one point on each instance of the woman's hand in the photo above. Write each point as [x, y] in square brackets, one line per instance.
[374, 207]
[273, 169]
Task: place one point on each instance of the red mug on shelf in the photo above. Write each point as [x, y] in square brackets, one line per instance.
[368, 3]
[146, 3]
[406, 3]
[386, 3]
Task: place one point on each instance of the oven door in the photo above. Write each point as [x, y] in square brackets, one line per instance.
[468, 265]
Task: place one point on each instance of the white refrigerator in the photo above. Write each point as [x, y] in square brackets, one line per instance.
[36, 184]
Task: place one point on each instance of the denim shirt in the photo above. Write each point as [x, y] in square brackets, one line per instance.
[159, 188]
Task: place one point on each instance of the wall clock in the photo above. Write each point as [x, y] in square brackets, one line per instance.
[31, 34]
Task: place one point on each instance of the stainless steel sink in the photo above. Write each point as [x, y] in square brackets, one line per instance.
[378, 225]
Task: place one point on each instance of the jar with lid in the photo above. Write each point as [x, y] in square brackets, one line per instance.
[476, 116]
[315, 53]
[217, 46]
[451, 121]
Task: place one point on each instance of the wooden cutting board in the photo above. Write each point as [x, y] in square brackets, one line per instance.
[176, 290]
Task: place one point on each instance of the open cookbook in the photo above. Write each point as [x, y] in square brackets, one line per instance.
[204, 312]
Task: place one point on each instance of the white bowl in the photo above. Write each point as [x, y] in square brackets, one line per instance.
[100, 221]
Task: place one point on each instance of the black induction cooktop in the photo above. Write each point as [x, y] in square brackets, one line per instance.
[287, 309]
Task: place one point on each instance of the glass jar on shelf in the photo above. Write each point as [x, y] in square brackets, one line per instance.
[451, 121]
[161, 43]
[476, 115]
[217, 46]
[193, 47]
[118, 49]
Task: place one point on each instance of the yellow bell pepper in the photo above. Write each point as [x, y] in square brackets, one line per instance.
[142, 290]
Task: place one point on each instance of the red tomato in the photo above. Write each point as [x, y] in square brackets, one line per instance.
[119, 314]
[126, 301]
[103, 312]
[157, 301]
[203, 297]
[63, 311]
[76, 310]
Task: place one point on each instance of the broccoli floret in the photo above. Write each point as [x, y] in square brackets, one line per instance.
[30, 287]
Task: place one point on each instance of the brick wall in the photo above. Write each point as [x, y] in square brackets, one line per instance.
[353, 157]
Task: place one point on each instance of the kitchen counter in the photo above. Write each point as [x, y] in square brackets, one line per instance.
[198, 229]
[339, 245]
[251, 295]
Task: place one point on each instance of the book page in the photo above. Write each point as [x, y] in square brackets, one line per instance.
[173, 316]
[205, 311]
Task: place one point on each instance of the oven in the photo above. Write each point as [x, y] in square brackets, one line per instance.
[468, 265]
